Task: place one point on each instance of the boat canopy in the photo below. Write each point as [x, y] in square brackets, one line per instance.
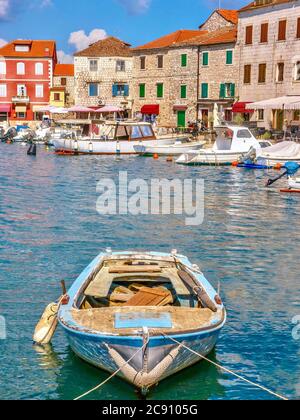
[287, 149]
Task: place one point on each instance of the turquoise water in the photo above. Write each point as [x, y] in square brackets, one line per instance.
[50, 230]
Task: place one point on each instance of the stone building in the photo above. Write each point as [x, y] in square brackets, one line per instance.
[269, 55]
[103, 73]
[63, 90]
[169, 72]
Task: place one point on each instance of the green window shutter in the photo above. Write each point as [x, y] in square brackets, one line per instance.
[142, 91]
[222, 90]
[204, 90]
[160, 90]
[205, 59]
[229, 57]
[183, 60]
[232, 90]
[183, 93]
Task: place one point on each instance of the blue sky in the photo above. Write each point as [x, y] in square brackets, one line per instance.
[76, 23]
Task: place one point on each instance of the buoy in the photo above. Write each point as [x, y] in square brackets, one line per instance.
[32, 150]
[235, 164]
[155, 156]
[47, 325]
[278, 167]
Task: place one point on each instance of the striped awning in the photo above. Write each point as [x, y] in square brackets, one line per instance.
[283, 102]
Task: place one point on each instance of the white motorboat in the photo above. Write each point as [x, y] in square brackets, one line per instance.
[113, 138]
[24, 135]
[280, 153]
[232, 144]
[42, 135]
[294, 183]
[175, 149]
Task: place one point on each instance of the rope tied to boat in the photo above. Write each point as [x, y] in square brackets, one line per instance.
[263, 388]
[115, 373]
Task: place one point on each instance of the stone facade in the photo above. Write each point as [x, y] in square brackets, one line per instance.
[68, 83]
[269, 53]
[216, 22]
[106, 76]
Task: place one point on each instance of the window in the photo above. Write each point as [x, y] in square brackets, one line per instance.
[264, 32]
[244, 134]
[39, 69]
[261, 115]
[297, 71]
[205, 59]
[21, 115]
[20, 68]
[249, 35]
[247, 74]
[2, 67]
[160, 90]
[282, 30]
[39, 91]
[56, 97]
[280, 72]
[63, 81]
[3, 91]
[22, 48]
[93, 65]
[120, 65]
[143, 63]
[227, 90]
[183, 91]
[262, 71]
[142, 90]
[120, 90]
[21, 90]
[183, 60]
[229, 57]
[93, 89]
[298, 28]
[160, 61]
[296, 116]
[204, 90]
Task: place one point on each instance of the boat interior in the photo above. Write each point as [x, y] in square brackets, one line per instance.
[123, 293]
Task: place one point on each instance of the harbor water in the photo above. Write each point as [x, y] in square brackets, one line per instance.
[50, 230]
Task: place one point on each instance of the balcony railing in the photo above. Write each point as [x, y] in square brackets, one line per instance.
[21, 99]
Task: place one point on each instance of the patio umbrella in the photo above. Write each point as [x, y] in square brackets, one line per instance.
[79, 108]
[108, 109]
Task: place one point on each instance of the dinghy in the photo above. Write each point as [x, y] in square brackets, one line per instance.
[175, 149]
[125, 310]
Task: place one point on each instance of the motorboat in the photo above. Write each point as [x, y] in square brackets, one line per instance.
[24, 135]
[231, 145]
[280, 153]
[175, 149]
[143, 316]
[114, 138]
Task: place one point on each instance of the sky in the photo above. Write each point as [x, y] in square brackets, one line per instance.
[75, 24]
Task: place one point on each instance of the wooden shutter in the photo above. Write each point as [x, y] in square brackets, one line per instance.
[160, 61]
[298, 28]
[142, 91]
[115, 90]
[204, 90]
[282, 30]
[264, 32]
[262, 68]
[247, 73]
[222, 90]
[160, 90]
[183, 92]
[205, 59]
[232, 90]
[183, 60]
[143, 63]
[126, 90]
[249, 35]
[229, 57]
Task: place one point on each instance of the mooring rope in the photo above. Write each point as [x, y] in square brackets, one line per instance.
[226, 369]
[114, 374]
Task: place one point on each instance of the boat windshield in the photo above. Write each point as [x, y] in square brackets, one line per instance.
[244, 134]
[224, 139]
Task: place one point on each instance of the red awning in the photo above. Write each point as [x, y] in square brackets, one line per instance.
[150, 109]
[5, 108]
[240, 107]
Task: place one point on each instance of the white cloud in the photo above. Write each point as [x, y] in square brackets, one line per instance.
[2, 42]
[64, 58]
[136, 7]
[4, 8]
[81, 40]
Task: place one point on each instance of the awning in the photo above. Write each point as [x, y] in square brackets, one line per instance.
[21, 109]
[282, 103]
[5, 108]
[293, 107]
[180, 107]
[240, 108]
[150, 109]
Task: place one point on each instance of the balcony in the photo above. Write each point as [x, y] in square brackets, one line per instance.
[22, 99]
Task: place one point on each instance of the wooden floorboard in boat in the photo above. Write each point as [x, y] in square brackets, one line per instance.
[183, 319]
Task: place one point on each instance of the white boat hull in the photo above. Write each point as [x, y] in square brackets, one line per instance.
[169, 150]
[105, 147]
[209, 158]
[294, 183]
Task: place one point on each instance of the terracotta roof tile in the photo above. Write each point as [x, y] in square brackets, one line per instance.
[108, 47]
[64, 70]
[229, 15]
[38, 49]
[170, 39]
[256, 5]
[222, 36]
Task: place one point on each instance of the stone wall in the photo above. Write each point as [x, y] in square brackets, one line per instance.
[216, 22]
[106, 76]
[271, 53]
[70, 88]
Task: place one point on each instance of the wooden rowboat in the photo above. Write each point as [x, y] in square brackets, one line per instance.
[125, 309]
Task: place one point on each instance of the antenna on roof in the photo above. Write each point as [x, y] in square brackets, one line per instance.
[219, 4]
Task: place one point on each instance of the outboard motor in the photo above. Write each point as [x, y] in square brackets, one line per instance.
[291, 168]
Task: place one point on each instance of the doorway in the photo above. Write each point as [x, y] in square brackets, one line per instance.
[181, 119]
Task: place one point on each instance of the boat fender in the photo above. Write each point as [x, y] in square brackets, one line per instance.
[218, 300]
[46, 327]
[155, 156]
[278, 167]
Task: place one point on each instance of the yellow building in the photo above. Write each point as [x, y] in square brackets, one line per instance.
[62, 92]
[58, 97]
